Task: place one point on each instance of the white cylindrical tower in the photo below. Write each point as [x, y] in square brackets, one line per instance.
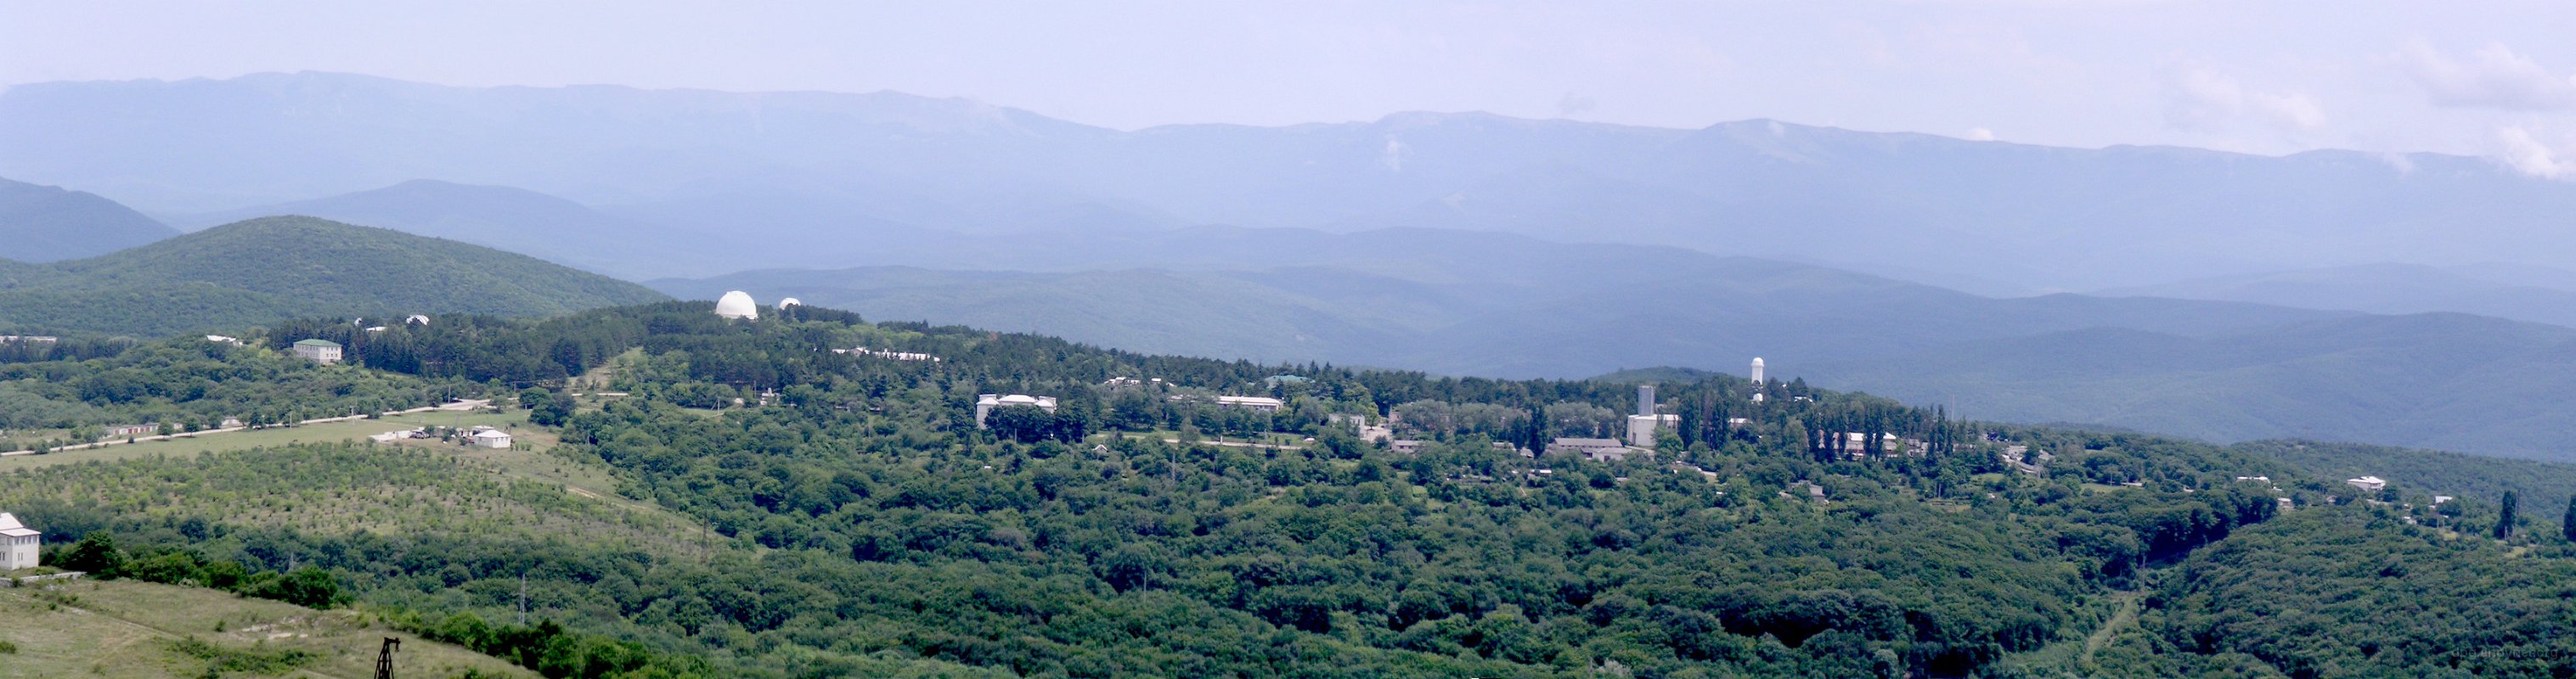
[1757, 369]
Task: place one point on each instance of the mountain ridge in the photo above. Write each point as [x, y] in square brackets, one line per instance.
[840, 174]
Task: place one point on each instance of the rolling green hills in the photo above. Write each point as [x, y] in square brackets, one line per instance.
[262, 270]
[45, 223]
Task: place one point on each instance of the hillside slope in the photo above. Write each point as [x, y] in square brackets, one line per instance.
[263, 270]
[141, 630]
[47, 223]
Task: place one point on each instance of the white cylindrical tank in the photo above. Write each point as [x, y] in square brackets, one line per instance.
[737, 304]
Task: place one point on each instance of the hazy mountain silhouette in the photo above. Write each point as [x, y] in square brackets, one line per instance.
[850, 173]
[47, 223]
[2521, 293]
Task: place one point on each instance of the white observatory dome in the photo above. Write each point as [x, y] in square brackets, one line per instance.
[789, 302]
[737, 304]
[416, 319]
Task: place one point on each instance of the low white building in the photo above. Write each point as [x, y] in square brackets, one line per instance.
[985, 403]
[2367, 484]
[17, 544]
[492, 438]
[1260, 403]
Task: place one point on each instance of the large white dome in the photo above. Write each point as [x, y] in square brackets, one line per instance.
[789, 302]
[737, 304]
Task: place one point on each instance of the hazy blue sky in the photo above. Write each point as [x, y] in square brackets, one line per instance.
[2491, 78]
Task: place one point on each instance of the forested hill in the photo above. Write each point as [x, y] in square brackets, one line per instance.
[853, 519]
[269, 269]
[46, 223]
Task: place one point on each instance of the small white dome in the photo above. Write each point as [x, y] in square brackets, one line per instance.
[737, 304]
[1757, 360]
[416, 319]
[789, 302]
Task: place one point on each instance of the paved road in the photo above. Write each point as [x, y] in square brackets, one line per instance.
[468, 404]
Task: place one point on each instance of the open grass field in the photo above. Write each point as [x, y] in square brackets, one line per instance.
[121, 629]
[353, 430]
[412, 487]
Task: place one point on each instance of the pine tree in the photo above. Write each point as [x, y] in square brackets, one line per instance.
[2504, 520]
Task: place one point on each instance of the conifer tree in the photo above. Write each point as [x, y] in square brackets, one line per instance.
[2567, 524]
[2504, 519]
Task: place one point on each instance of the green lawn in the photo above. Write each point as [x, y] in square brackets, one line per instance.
[353, 430]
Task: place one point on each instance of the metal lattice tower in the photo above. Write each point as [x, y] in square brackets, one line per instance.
[385, 658]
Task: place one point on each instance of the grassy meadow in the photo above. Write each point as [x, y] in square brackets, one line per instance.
[125, 629]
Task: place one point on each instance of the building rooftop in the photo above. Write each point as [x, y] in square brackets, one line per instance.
[10, 526]
[316, 343]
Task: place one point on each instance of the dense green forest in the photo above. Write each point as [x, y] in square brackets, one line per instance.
[790, 510]
[262, 270]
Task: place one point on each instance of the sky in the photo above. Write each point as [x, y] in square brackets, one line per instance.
[2494, 79]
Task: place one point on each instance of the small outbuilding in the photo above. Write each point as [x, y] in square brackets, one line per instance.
[492, 438]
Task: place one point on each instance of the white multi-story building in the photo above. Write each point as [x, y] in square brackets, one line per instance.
[17, 544]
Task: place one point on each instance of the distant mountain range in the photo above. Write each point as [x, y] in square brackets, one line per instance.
[2537, 294]
[47, 223]
[1438, 242]
[263, 270]
[827, 180]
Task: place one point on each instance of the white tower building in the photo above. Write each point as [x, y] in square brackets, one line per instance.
[1757, 379]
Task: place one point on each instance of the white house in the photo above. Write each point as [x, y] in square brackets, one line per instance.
[19, 542]
[2367, 484]
[491, 438]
